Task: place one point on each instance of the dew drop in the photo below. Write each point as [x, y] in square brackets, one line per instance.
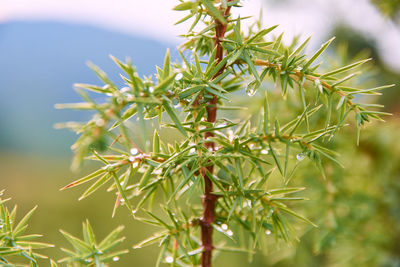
[131, 158]
[169, 259]
[151, 89]
[319, 85]
[230, 135]
[157, 172]
[264, 151]
[247, 203]
[116, 258]
[251, 88]
[179, 76]
[250, 91]
[268, 232]
[300, 156]
[100, 122]
[229, 232]
[192, 150]
[224, 227]
[142, 169]
[134, 151]
[125, 89]
[175, 102]
[135, 164]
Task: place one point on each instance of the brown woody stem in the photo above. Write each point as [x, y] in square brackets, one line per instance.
[209, 198]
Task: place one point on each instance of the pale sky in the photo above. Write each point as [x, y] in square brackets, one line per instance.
[155, 19]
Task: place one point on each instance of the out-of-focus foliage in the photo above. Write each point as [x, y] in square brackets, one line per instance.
[390, 8]
[354, 44]
[355, 207]
[361, 202]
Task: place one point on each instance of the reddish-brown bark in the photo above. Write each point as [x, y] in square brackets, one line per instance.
[209, 198]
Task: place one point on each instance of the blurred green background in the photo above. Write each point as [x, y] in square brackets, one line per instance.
[358, 208]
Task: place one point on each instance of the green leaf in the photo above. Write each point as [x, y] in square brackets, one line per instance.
[234, 56]
[345, 68]
[286, 159]
[185, 6]
[275, 157]
[251, 65]
[76, 242]
[295, 214]
[261, 34]
[85, 179]
[158, 219]
[149, 241]
[101, 74]
[156, 142]
[111, 238]
[24, 220]
[104, 179]
[286, 190]
[300, 48]
[125, 116]
[215, 92]
[121, 191]
[27, 237]
[366, 91]
[164, 85]
[300, 119]
[213, 11]
[90, 234]
[239, 173]
[167, 64]
[174, 118]
[266, 113]
[33, 245]
[146, 176]
[318, 53]
[53, 263]
[348, 77]
[190, 91]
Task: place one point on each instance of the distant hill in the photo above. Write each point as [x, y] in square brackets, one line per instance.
[39, 62]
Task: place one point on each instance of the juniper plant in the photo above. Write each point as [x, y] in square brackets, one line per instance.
[88, 252]
[222, 173]
[15, 246]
